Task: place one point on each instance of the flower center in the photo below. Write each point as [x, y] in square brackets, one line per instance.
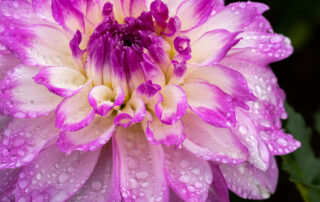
[127, 54]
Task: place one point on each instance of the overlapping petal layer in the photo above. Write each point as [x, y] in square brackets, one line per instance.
[139, 100]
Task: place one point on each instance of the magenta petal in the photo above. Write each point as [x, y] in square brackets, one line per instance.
[7, 61]
[234, 17]
[75, 112]
[22, 98]
[172, 105]
[9, 178]
[190, 177]
[132, 113]
[29, 40]
[89, 138]
[249, 182]
[159, 133]
[103, 99]
[103, 184]
[69, 14]
[214, 143]
[55, 176]
[23, 139]
[279, 143]
[262, 48]
[248, 134]
[230, 81]
[219, 191]
[210, 103]
[63, 81]
[192, 13]
[141, 166]
[205, 54]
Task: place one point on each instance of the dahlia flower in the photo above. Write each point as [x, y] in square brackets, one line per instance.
[139, 100]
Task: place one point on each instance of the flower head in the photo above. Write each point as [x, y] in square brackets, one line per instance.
[139, 100]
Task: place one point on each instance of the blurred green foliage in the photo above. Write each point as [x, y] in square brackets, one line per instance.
[302, 165]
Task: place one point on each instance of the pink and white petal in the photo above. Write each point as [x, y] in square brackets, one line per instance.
[22, 98]
[89, 138]
[189, 176]
[230, 81]
[31, 45]
[278, 142]
[103, 184]
[159, 133]
[249, 182]
[69, 14]
[212, 143]
[269, 107]
[23, 139]
[103, 99]
[172, 104]
[219, 191]
[55, 176]
[171, 4]
[234, 17]
[248, 134]
[62, 81]
[262, 48]
[192, 13]
[205, 53]
[75, 112]
[141, 166]
[7, 61]
[9, 178]
[43, 9]
[210, 103]
[132, 113]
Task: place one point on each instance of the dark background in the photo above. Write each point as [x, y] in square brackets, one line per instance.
[299, 75]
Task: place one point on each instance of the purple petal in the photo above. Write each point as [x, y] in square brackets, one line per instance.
[23, 139]
[189, 176]
[159, 133]
[9, 178]
[103, 184]
[22, 98]
[132, 113]
[63, 81]
[204, 53]
[234, 17]
[172, 104]
[75, 112]
[230, 81]
[7, 61]
[55, 176]
[245, 130]
[141, 166]
[89, 138]
[195, 12]
[219, 191]
[262, 48]
[69, 14]
[249, 182]
[213, 143]
[210, 103]
[29, 41]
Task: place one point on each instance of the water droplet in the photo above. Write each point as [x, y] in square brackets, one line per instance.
[63, 177]
[196, 171]
[282, 141]
[142, 175]
[96, 185]
[184, 178]
[23, 184]
[243, 130]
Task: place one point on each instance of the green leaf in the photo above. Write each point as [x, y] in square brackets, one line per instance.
[317, 121]
[302, 165]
